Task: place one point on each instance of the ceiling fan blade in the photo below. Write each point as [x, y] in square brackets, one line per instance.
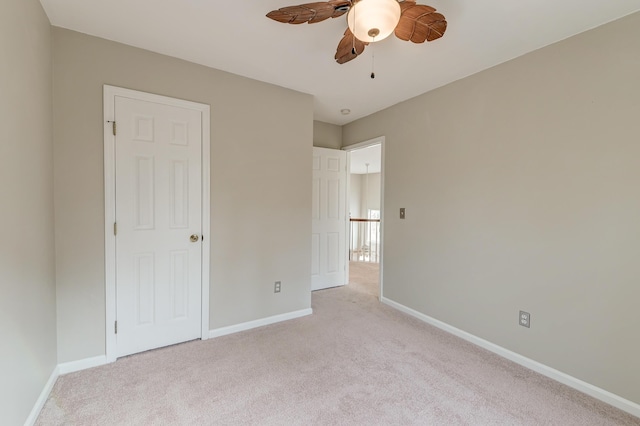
[310, 12]
[349, 48]
[419, 22]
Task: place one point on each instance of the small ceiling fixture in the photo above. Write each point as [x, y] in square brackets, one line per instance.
[369, 21]
[373, 20]
[345, 111]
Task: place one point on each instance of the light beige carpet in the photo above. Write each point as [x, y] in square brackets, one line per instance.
[365, 277]
[353, 362]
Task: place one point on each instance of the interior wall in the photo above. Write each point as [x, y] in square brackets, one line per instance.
[521, 189]
[260, 185]
[27, 287]
[365, 194]
[370, 199]
[326, 135]
[355, 196]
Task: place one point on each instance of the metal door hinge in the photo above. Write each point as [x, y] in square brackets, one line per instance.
[115, 228]
[115, 327]
[113, 127]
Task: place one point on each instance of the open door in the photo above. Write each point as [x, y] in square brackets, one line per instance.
[329, 221]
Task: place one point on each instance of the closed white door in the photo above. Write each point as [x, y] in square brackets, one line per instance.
[329, 221]
[159, 224]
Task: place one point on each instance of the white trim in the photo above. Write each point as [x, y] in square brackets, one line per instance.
[584, 387]
[223, 331]
[347, 215]
[110, 92]
[365, 144]
[42, 398]
[109, 219]
[206, 220]
[380, 140]
[81, 364]
[382, 216]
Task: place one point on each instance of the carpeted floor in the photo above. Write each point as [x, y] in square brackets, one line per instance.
[353, 362]
[365, 278]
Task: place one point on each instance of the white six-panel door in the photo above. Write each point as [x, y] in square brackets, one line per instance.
[159, 224]
[329, 221]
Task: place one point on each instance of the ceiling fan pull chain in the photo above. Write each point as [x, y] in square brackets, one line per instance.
[373, 59]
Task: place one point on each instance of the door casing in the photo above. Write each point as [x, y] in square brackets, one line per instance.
[109, 93]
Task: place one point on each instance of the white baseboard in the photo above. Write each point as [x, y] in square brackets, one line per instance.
[81, 364]
[223, 331]
[594, 391]
[42, 399]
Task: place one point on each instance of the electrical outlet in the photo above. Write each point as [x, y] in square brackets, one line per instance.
[525, 319]
[277, 286]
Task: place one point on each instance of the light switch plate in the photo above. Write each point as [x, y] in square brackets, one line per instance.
[402, 213]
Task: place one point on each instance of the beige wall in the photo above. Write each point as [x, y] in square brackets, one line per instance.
[327, 135]
[355, 195]
[27, 289]
[260, 180]
[521, 186]
[364, 194]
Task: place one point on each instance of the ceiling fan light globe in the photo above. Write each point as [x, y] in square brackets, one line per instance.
[368, 17]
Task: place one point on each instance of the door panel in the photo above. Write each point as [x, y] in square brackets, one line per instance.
[329, 222]
[179, 194]
[158, 207]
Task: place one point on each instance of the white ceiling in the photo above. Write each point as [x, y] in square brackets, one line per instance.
[235, 36]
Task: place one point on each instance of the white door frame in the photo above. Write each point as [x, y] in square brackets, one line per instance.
[380, 140]
[110, 93]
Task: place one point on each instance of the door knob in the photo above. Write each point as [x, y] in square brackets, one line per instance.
[194, 238]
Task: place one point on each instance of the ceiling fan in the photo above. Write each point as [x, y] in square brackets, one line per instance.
[369, 21]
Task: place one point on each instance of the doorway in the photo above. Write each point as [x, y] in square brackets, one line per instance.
[156, 221]
[365, 206]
